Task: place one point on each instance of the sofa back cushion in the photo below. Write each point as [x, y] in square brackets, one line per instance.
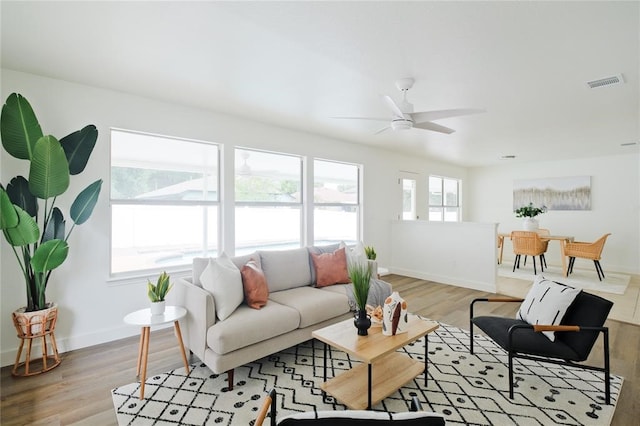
[285, 269]
[200, 263]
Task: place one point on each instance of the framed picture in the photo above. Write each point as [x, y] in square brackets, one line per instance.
[561, 193]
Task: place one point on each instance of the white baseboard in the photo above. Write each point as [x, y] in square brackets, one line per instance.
[445, 279]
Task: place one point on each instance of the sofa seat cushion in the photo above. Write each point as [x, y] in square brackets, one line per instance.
[246, 326]
[314, 305]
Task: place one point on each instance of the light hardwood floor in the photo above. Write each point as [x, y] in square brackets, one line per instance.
[79, 390]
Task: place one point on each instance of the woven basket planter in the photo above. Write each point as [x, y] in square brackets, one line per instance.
[36, 325]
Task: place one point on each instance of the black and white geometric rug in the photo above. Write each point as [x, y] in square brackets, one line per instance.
[467, 389]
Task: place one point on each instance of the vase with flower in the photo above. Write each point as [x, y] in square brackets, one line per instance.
[529, 213]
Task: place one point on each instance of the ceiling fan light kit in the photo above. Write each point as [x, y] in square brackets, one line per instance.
[403, 117]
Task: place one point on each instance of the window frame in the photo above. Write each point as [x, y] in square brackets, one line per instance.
[357, 205]
[292, 204]
[443, 206]
[201, 204]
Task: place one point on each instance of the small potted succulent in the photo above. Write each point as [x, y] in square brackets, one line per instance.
[529, 212]
[158, 292]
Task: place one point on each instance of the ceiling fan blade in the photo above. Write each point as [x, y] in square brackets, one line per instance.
[397, 112]
[421, 117]
[427, 125]
[382, 130]
[361, 118]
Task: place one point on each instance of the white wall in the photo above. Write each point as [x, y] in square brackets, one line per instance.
[456, 253]
[92, 306]
[615, 205]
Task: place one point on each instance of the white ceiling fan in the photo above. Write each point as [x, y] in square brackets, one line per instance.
[403, 117]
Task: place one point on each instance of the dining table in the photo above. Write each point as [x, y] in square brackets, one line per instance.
[560, 238]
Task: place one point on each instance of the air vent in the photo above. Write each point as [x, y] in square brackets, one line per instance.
[608, 81]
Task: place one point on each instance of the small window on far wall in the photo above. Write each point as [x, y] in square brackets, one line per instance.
[444, 199]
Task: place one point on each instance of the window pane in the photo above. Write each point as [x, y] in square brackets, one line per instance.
[409, 199]
[335, 182]
[451, 214]
[150, 167]
[435, 191]
[141, 238]
[435, 213]
[451, 192]
[267, 177]
[332, 224]
[269, 228]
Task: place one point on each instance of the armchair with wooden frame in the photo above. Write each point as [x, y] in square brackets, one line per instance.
[529, 243]
[583, 250]
[575, 336]
[415, 416]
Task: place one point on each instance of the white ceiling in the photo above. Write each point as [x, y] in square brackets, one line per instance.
[297, 64]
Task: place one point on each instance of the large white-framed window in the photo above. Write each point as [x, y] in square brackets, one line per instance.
[268, 201]
[444, 199]
[336, 202]
[165, 201]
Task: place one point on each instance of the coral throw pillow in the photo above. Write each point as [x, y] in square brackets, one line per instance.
[331, 268]
[254, 283]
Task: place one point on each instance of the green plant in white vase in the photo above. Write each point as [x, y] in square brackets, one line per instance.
[530, 212]
[157, 293]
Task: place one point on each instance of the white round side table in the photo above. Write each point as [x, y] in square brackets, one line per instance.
[145, 320]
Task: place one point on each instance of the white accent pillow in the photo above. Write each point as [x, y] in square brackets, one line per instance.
[355, 255]
[223, 280]
[546, 303]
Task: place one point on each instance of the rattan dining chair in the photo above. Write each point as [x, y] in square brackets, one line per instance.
[584, 250]
[543, 233]
[529, 244]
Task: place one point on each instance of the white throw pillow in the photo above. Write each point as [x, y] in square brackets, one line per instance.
[546, 303]
[223, 279]
[355, 255]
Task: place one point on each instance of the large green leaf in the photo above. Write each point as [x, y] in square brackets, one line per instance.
[55, 226]
[18, 190]
[26, 232]
[8, 214]
[49, 255]
[84, 203]
[19, 127]
[49, 172]
[78, 147]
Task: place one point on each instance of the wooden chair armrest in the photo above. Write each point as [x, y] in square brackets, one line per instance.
[540, 328]
[491, 299]
[267, 404]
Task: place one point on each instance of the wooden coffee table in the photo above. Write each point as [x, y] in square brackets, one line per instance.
[392, 369]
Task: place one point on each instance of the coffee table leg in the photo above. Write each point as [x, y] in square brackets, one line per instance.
[324, 369]
[426, 360]
[369, 388]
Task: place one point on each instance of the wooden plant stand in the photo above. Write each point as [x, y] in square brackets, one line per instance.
[36, 325]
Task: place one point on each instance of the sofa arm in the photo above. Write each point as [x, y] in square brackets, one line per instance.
[201, 314]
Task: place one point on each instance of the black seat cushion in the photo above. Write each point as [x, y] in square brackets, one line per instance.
[524, 340]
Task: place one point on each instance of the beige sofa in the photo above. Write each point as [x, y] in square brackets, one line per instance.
[294, 309]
